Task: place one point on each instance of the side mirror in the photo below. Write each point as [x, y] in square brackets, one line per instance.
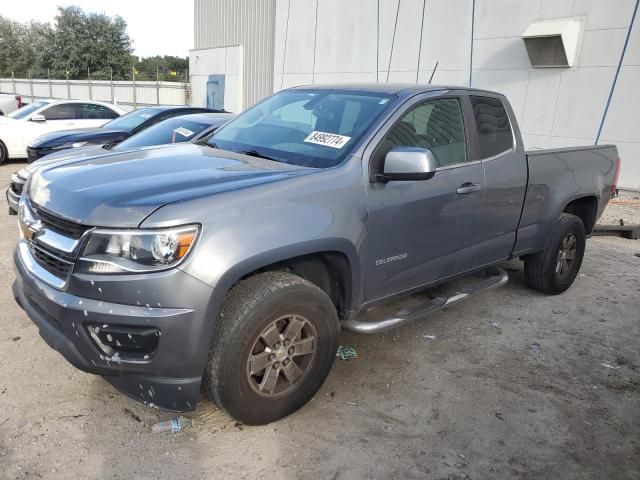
[38, 118]
[408, 164]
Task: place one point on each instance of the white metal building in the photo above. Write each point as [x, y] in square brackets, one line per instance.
[575, 80]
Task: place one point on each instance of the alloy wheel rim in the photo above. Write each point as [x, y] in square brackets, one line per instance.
[281, 355]
[566, 256]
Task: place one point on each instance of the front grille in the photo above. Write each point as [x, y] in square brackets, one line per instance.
[32, 154]
[51, 262]
[60, 225]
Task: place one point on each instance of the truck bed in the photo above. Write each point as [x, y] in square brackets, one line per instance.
[556, 178]
[9, 102]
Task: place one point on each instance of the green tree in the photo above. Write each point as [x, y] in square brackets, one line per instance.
[92, 42]
[166, 68]
[78, 43]
[22, 46]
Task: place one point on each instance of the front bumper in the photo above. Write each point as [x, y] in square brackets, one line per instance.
[13, 199]
[34, 154]
[170, 377]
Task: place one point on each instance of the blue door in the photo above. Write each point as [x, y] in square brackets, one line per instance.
[215, 92]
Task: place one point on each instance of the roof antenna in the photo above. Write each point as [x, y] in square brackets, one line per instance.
[435, 67]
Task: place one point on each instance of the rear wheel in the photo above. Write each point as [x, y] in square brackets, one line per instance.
[4, 155]
[273, 347]
[554, 269]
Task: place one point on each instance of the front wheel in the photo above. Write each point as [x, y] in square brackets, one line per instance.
[554, 269]
[273, 346]
[4, 154]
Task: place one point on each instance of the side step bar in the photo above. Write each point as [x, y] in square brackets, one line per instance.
[497, 277]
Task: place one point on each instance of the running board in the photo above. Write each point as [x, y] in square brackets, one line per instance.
[496, 277]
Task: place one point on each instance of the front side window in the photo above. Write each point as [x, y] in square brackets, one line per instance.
[437, 125]
[314, 128]
[61, 111]
[492, 126]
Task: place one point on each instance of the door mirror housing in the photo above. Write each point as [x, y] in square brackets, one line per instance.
[408, 164]
[38, 118]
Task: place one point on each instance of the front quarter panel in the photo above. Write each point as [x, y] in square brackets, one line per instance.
[250, 228]
[11, 135]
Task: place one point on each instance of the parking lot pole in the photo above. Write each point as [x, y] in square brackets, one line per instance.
[133, 76]
[157, 86]
[89, 80]
[187, 93]
[68, 87]
[111, 79]
[13, 81]
[50, 87]
[30, 86]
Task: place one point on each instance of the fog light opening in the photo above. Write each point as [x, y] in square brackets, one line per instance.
[127, 343]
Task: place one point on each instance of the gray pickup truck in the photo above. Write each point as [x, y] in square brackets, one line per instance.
[231, 267]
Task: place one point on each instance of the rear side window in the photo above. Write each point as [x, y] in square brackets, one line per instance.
[93, 111]
[492, 126]
[61, 111]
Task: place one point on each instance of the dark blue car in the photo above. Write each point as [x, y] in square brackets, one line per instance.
[112, 132]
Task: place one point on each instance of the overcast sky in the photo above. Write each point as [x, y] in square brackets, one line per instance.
[156, 27]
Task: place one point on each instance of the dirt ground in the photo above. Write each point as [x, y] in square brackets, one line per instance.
[514, 384]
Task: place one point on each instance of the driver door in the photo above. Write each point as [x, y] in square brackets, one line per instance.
[423, 231]
[62, 116]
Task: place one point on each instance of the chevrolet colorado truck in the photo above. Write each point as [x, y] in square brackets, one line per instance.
[231, 267]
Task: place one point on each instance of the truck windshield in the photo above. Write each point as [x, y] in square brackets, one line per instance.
[131, 120]
[313, 128]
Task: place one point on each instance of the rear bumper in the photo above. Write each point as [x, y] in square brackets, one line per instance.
[169, 377]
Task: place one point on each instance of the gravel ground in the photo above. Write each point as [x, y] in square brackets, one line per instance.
[626, 209]
[513, 384]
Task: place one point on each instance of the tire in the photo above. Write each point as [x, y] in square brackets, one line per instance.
[543, 271]
[252, 314]
[4, 155]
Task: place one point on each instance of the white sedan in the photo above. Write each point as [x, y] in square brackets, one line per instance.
[21, 127]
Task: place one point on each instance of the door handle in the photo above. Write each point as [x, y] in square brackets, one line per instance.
[467, 188]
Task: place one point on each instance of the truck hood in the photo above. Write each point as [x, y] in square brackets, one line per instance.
[122, 189]
[92, 135]
[70, 153]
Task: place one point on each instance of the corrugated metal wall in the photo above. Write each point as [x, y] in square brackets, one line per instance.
[251, 23]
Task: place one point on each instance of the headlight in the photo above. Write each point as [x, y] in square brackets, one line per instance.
[69, 145]
[135, 251]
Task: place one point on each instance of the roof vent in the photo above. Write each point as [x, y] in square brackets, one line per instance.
[553, 43]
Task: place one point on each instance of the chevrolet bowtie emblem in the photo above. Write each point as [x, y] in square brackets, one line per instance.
[32, 230]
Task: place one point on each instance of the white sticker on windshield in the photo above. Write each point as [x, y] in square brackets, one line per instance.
[185, 132]
[332, 140]
[145, 115]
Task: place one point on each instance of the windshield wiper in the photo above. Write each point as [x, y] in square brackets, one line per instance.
[255, 153]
